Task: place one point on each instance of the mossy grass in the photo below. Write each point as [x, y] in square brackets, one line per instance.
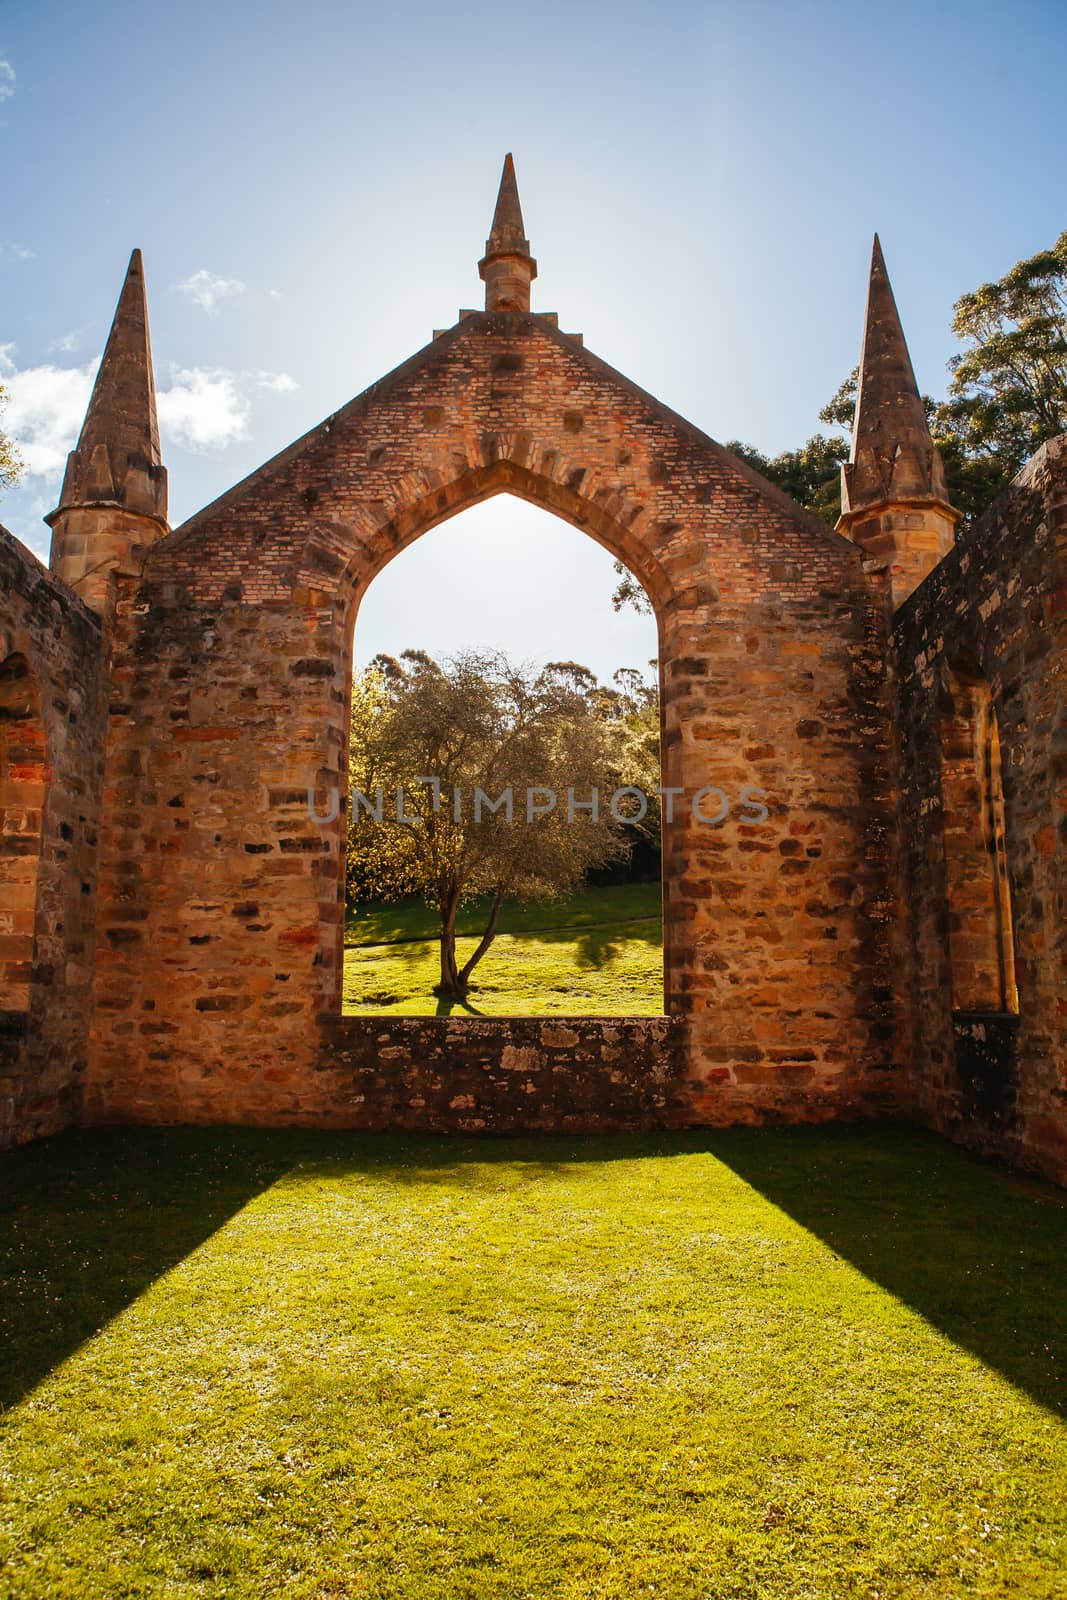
[774, 1364]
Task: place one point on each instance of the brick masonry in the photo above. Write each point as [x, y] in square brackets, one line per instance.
[44, 1039]
[476, 1075]
[221, 901]
[190, 915]
[998, 601]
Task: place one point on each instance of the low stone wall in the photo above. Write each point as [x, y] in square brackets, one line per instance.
[493, 1075]
[469, 1074]
[501, 1074]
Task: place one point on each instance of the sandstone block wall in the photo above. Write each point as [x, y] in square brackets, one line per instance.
[998, 603]
[44, 1041]
[175, 953]
[502, 1075]
[221, 904]
[465, 1075]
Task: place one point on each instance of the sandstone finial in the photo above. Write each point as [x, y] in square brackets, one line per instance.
[507, 267]
[117, 459]
[894, 499]
[507, 231]
[893, 456]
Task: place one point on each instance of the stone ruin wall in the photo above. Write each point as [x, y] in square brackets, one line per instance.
[221, 910]
[48, 848]
[998, 601]
[186, 942]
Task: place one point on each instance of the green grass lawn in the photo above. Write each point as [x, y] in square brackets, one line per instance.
[598, 953]
[797, 1363]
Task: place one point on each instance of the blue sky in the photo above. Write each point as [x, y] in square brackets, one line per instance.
[312, 187]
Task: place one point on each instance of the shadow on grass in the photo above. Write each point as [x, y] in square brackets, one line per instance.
[632, 911]
[978, 1251]
[449, 1005]
[93, 1219]
[594, 949]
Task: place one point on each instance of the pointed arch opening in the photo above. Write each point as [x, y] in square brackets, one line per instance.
[980, 924]
[505, 580]
[23, 780]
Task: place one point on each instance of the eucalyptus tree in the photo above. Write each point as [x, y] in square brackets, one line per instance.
[475, 777]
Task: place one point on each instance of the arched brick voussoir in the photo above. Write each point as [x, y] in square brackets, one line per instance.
[504, 402]
[608, 518]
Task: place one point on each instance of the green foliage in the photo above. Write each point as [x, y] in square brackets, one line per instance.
[1007, 396]
[840, 409]
[1008, 393]
[381, 862]
[628, 593]
[974, 478]
[478, 726]
[629, 709]
[756, 1364]
[810, 475]
[11, 463]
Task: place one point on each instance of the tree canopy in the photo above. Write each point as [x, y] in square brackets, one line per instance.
[10, 460]
[1008, 390]
[473, 776]
[1007, 395]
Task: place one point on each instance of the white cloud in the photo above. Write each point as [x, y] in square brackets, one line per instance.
[204, 409]
[276, 382]
[207, 289]
[66, 343]
[16, 252]
[45, 410]
[7, 79]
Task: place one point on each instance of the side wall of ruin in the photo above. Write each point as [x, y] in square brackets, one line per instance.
[52, 713]
[989, 628]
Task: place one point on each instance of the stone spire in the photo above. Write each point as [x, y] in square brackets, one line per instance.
[117, 458]
[894, 500]
[114, 498]
[507, 268]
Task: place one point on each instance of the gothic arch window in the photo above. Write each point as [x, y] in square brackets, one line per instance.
[980, 931]
[22, 793]
[489, 578]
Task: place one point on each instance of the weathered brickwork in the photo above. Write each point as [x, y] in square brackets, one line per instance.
[23, 784]
[890, 941]
[50, 782]
[468, 1074]
[998, 605]
[221, 901]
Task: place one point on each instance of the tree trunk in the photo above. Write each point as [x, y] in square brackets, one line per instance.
[485, 941]
[450, 978]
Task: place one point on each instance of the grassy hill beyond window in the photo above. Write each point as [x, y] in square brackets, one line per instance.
[597, 953]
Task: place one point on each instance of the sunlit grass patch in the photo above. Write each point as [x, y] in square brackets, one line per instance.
[760, 1363]
[597, 953]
